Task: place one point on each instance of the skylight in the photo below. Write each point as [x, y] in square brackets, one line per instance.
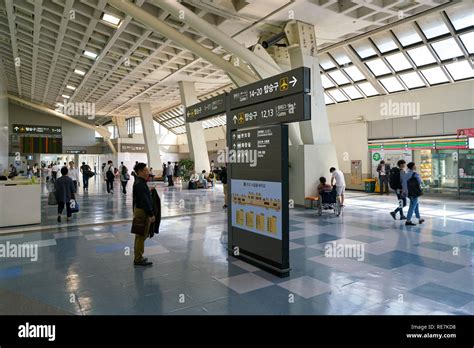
[364, 49]
[460, 70]
[461, 16]
[340, 57]
[391, 84]
[79, 72]
[434, 75]
[328, 100]
[421, 56]
[412, 80]
[326, 63]
[90, 54]
[433, 27]
[337, 95]
[407, 35]
[326, 82]
[368, 89]
[352, 92]
[339, 77]
[447, 49]
[399, 62]
[468, 41]
[384, 43]
[110, 19]
[378, 67]
[354, 73]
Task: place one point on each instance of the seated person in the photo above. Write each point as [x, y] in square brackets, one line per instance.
[193, 180]
[323, 186]
[203, 179]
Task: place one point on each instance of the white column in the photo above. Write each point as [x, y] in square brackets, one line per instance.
[121, 126]
[149, 135]
[194, 131]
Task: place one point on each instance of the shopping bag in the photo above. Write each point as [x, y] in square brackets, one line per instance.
[74, 206]
[52, 198]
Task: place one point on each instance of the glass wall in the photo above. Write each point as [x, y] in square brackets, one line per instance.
[466, 172]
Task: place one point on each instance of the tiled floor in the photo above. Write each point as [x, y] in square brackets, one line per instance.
[87, 269]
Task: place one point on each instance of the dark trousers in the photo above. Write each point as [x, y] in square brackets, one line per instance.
[110, 185]
[383, 184]
[75, 185]
[402, 203]
[85, 181]
[61, 208]
[124, 186]
[54, 175]
[170, 180]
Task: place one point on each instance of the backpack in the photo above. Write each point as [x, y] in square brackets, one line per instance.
[394, 179]
[109, 174]
[414, 189]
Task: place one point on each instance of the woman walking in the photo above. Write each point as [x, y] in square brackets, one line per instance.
[124, 177]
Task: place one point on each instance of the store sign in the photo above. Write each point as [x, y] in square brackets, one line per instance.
[293, 108]
[290, 82]
[76, 152]
[28, 129]
[465, 132]
[207, 108]
[132, 148]
[471, 143]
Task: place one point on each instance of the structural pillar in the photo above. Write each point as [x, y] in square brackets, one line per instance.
[121, 126]
[317, 154]
[194, 131]
[149, 135]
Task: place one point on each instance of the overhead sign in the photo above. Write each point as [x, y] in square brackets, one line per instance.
[467, 132]
[206, 108]
[28, 129]
[76, 152]
[288, 83]
[132, 148]
[293, 108]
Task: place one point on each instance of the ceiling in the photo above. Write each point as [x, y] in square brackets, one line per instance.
[42, 44]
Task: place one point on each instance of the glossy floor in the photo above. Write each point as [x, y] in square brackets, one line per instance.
[425, 269]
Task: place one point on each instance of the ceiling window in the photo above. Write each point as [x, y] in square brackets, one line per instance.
[433, 27]
[391, 84]
[364, 49]
[460, 70]
[339, 77]
[340, 57]
[399, 62]
[412, 80]
[326, 82]
[328, 100]
[462, 16]
[434, 75]
[352, 92]
[384, 43]
[407, 35]
[421, 56]
[354, 73]
[446, 49]
[326, 63]
[368, 89]
[468, 41]
[378, 67]
[337, 95]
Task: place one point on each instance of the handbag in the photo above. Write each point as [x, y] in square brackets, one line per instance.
[74, 206]
[139, 226]
[52, 198]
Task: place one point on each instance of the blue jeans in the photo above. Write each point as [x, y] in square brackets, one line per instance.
[413, 207]
[85, 181]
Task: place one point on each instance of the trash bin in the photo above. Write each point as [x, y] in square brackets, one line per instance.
[369, 185]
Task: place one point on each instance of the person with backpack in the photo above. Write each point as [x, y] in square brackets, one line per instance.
[86, 175]
[383, 169]
[109, 176]
[124, 177]
[395, 182]
[411, 184]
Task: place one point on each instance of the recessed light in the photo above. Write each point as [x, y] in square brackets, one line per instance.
[90, 54]
[66, 96]
[71, 87]
[79, 72]
[110, 19]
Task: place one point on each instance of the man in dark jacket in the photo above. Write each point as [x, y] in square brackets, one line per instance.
[383, 169]
[142, 211]
[224, 184]
[64, 190]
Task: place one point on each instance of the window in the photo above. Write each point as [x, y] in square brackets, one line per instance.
[412, 80]
[340, 57]
[460, 70]
[131, 125]
[384, 43]
[434, 75]
[339, 77]
[461, 16]
[447, 49]
[378, 67]
[468, 41]
[368, 89]
[433, 27]
[352, 92]
[421, 56]
[326, 63]
[399, 62]
[327, 100]
[407, 35]
[138, 125]
[97, 134]
[364, 49]
[326, 82]
[391, 84]
[337, 95]
[354, 73]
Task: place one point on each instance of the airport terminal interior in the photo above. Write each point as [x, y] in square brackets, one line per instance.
[238, 109]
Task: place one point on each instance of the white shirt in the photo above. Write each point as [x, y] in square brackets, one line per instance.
[106, 169]
[73, 173]
[55, 168]
[339, 176]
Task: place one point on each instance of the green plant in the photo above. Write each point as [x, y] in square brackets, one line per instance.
[186, 166]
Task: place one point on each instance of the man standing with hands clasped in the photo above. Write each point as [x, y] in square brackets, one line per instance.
[143, 215]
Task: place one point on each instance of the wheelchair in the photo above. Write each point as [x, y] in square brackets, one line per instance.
[329, 201]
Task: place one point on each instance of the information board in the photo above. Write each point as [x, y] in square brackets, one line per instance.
[291, 82]
[207, 108]
[29, 129]
[293, 108]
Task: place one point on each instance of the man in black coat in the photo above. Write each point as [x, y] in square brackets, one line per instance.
[64, 191]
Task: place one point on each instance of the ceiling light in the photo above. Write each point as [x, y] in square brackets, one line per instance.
[71, 87]
[79, 72]
[111, 19]
[66, 96]
[90, 54]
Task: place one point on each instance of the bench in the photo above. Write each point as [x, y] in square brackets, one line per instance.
[312, 199]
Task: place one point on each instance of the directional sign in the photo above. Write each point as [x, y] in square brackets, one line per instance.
[29, 129]
[293, 108]
[205, 109]
[288, 83]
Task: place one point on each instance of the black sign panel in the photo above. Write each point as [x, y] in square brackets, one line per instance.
[132, 148]
[76, 152]
[290, 82]
[28, 129]
[207, 108]
[293, 108]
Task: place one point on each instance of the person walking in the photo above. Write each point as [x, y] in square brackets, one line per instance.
[64, 191]
[337, 178]
[143, 214]
[411, 183]
[85, 171]
[169, 174]
[176, 172]
[73, 173]
[395, 181]
[124, 177]
[54, 172]
[109, 176]
[383, 169]
[224, 184]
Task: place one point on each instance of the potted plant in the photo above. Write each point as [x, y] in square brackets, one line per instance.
[186, 166]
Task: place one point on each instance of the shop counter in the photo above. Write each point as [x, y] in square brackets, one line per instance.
[20, 204]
